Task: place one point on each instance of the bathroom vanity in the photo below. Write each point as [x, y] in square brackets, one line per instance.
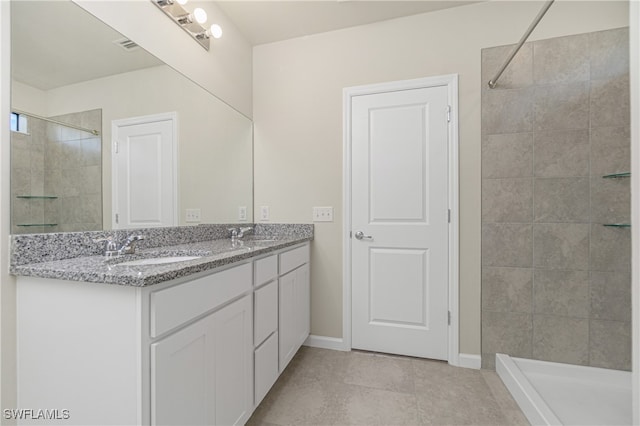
[196, 341]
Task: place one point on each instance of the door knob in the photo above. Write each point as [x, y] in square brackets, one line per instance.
[360, 236]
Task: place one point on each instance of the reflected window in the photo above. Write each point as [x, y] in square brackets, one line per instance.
[18, 122]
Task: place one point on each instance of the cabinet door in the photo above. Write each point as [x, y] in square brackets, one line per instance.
[233, 348]
[287, 318]
[182, 389]
[266, 367]
[302, 304]
[265, 319]
[294, 315]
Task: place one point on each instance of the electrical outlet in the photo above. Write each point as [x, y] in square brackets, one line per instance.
[192, 215]
[242, 213]
[264, 212]
[323, 214]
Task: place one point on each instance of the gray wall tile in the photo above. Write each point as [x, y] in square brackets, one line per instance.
[507, 155]
[571, 130]
[507, 200]
[610, 248]
[610, 344]
[609, 53]
[507, 289]
[561, 339]
[563, 293]
[561, 200]
[561, 59]
[610, 102]
[610, 150]
[611, 296]
[507, 245]
[610, 200]
[561, 153]
[561, 246]
[561, 107]
[507, 333]
[518, 74]
[507, 111]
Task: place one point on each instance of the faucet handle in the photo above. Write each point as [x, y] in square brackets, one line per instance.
[109, 246]
[234, 232]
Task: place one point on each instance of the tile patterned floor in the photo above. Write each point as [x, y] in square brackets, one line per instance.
[324, 387]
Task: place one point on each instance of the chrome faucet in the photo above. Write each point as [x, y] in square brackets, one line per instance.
[238, 233]
[244, 230]
[129, 246]
[111, 249]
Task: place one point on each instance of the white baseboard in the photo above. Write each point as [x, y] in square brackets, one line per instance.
[324, 342]
[470, 361]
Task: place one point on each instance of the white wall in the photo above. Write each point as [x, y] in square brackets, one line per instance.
[298, 121]
[224, 70]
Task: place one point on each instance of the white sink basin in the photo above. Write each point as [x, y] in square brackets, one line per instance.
[158, 260]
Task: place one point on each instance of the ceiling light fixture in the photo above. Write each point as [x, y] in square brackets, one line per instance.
[191, 22]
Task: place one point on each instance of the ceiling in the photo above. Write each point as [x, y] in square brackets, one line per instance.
[52, 56]
[268, 21]
[47, 53]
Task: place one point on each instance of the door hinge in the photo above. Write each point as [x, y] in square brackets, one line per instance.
[449, 317]
[117, 218]
[448, 113]
[115, 147]
[449, 216]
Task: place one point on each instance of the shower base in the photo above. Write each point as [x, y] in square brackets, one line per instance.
[551, 393]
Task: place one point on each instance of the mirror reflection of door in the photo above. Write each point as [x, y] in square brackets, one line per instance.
[144, 171]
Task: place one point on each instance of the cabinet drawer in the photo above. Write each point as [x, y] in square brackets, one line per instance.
[265, 312]
[176, 305]
[291, 259]
[265, 270]
[266, 367]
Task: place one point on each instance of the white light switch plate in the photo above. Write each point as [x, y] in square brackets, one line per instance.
[242, 213]
[264, 212]
[192, 215]
[323, 214]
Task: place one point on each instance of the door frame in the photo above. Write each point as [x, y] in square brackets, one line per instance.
[451, 82]
[145, 119]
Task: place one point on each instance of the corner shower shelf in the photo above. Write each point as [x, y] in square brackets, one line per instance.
[40, 197]
[617, 225]
[617, 175]
[37, 224]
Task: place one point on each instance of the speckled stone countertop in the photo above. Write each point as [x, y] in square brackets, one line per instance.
[211, 253]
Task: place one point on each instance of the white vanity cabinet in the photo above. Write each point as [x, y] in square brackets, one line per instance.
[203, 373]
[202, 349]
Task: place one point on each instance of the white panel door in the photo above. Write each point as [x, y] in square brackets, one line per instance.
[144, 175]
[400, 222]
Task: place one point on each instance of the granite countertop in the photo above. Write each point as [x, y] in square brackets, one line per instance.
[213, 254]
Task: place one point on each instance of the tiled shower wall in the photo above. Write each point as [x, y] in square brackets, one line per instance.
[59, 162]
[556, 282]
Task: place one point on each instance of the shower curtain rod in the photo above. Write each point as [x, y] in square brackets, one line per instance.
[92, 131]
[494, 80]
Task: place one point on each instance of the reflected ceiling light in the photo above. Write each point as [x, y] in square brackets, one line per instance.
[191, 22]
